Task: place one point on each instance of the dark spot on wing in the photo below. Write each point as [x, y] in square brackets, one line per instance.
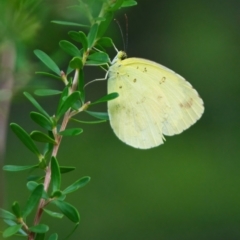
[187, 104]
[134, 80]
[162, 80]
[120, 86]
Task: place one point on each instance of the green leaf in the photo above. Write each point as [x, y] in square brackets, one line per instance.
[88, 122]
[71, 132]
[53, 214]
[14, 168]
[46, 92]
[129, 3]
[31, 185]
[92, 35]
[48, 148]
[16, 209]
[54, 236]
[66, 169]
[63, 97]
[69, 23]
[68, 210]
[42, 120]
[40, 228]
[79, 37]
[56, 194]
[25, 138]
[69, 48]
[12, 223]
[40, 236]
[76, 63]
[78, 184]
[105, 42]
[68, 103]
[36, 104]
[41, 137]
[47, 61]
[33, 200]
[49, 75]
[10, 231]
[105, 24]
[7, 215]
[97, 58]
[56, 176]
[100, 115]
[106, 98]
[117, 5]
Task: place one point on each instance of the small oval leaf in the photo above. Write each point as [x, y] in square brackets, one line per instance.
[105, 42]
[41, 137]
[42, 120]
[40, 228]
[76, 63]
[69, 23]
[66, 169]
[68, 103]
[88, 122]
[10, 231]
[36, 104]
[53, 214]
[105, 24]
[92, 35]
[99, 115]
[33, 200]
[106, 98]
[25, 138]
[15, 168]
[68, 210]
[97, 58]
[49, 75]
[71, 132]
[31, 185]
[79, 37]
[7, 215]
[78, 184]
[56, 176]
[54, 236]
[47, 61]
[129, 3]
[16, 209]
[69, 48]
[46, 92]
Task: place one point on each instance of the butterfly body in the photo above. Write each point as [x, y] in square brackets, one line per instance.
[153, 101]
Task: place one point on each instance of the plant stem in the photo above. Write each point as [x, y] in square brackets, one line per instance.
[58, 139]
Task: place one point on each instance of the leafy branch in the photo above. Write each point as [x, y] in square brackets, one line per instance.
[90, 49]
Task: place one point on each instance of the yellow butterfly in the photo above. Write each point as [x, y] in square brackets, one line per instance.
[153, 101]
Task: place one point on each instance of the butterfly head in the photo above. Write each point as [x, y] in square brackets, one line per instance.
[121, 55]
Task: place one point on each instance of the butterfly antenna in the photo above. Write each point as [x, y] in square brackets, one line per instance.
[126, 19]
[124, 46]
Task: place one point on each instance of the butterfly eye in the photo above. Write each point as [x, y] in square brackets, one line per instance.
[122, 55]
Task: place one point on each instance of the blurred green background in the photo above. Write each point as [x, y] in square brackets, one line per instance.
[188, 188]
